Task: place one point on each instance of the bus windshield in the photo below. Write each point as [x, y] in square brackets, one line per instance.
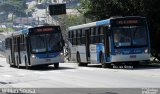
[130, 36]
[46, 43]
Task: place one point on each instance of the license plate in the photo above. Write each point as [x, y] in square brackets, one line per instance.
[132, 56]
[48, 60]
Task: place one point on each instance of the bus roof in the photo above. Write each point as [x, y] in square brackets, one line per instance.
[92, 24]
[24, 31]
[99, 23]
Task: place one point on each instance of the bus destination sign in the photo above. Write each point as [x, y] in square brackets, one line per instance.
[44, 30]
[121, 22]
[126, 22]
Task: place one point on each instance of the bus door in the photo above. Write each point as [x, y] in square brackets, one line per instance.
[18, 46]
[13, 50]
[106, 40]
[87, 44]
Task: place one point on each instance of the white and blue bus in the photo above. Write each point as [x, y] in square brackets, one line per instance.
[35, 46]
[114, 40]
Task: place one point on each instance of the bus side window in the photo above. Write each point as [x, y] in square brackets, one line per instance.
[83, 37]
[92, 36]
[101, 35]
[69, 36]
[72, 37]
[96, 35]
[15, 43]
[78, 37]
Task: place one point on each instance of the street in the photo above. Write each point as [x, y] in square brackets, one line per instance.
[69, 75]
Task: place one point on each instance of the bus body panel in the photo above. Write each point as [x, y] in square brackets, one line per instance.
[131, 57]
[94, 55]
[73, 53]
[81, 50]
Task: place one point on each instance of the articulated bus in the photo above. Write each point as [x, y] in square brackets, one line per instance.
[111, 41]
[35, 46]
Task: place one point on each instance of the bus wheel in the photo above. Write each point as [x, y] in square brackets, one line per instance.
[56, 65]
[102, 61]
[135, 64]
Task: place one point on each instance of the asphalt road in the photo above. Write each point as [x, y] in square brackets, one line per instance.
[69, 75]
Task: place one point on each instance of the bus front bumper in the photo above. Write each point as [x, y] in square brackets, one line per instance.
[131, 57]
[38, 61]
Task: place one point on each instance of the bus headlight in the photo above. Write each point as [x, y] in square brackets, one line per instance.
[146, 51]
[33, 56]
[117, 52]
[61, 54]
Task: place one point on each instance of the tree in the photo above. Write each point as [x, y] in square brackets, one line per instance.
[102, 9]
[15, 7]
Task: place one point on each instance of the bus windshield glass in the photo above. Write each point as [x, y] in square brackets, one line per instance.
[130, 36]
[46, 43]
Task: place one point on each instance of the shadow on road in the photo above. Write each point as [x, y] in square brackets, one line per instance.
[130, 67]
[94, 66]
[1, 66]
[49, 68]
[147, 67]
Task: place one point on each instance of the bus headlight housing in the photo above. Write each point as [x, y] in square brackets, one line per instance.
[33, 56]
[61, 54]
[146, 51]
[117, 52]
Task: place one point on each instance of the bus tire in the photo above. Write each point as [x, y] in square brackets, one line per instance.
[79, 61]
[135, 64]
[56, 65]
[104, 64]
[102, 61]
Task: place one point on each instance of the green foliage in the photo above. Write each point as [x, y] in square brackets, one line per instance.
[16, 7]
[6, 29]
[66, 21]
[102, 9]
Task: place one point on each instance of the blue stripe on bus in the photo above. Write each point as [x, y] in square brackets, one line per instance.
[49, 55]
[24, 31]
[127, 51]
[103, 22]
